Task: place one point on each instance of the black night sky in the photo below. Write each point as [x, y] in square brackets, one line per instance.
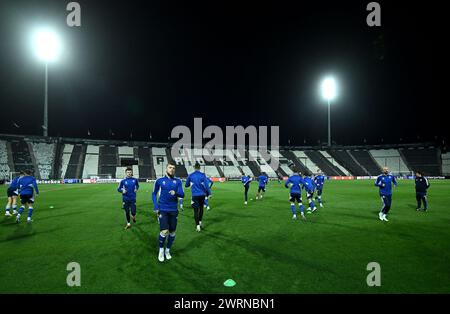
[147, 66]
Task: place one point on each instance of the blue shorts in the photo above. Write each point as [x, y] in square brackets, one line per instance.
[24, 199]
[261, 188]
[11, 192]
[295, 197]
[168, 220]
[130, 205]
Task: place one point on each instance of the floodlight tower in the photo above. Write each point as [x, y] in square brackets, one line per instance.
[47, 47]
[328, 88]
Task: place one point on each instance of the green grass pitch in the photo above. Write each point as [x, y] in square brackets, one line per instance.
[258, 245]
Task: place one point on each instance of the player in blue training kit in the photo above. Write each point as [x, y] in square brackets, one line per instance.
[208, 197]
[169, 189]
[385, 182]
[319, 180]
[296, 182]
[27, 186]
[309, 186]
[198, 182]
[246, 182]
[11, 193]
[128, 187]
[263, 181]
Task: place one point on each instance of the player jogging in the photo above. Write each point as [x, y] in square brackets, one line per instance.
[27, 186]
[319, 180]
[11, 194]
[385, 181]
[296, 182]
[263, 181]
[207, 198]
[309, 186]
[199, 184]
[246, 182]
[169, 189]
[128, 187]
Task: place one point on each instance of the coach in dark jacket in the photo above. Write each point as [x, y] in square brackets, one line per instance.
[422, 186]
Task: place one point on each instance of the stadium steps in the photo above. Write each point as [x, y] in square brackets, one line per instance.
[427, 160]
[402, 156]
[180, 170]
[365, 159]
[218, 168]
[71, 172]
[282, 172]
[145, 162]
[81, 161]
[21, 156]
[10, 157]
[108, 160]
[59, 150]
[324, 164]
[344, 158]
[37, 173]
[291, 157]
[254, 168]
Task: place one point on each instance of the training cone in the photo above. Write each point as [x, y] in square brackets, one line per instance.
[229, 283]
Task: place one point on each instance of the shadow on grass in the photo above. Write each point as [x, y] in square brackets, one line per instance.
[62, 215]
[26, 231]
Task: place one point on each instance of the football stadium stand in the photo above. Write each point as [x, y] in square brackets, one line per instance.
[344, 157]
[21, 154]
[366, 161]
[58, 158]
[335, 163]
[4, 165]
[446, 164]
[426, 159]
[323, 163]
[44, 155]
[390, 158]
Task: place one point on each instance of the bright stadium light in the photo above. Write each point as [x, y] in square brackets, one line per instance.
[47, 47]
[328, 88]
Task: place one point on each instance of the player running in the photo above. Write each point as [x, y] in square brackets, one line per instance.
[309, 186]
[27, 186]
[12, 192]
[210, 182]
[128, 187]
[296, 182]
[385, 182]
[246, 182]
[169, 189]
[319, 180]
[263, 181]
[199, 184]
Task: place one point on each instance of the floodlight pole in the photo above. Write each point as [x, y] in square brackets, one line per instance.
[329, 124]
[46, 101]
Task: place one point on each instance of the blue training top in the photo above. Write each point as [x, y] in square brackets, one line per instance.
[167, 202]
